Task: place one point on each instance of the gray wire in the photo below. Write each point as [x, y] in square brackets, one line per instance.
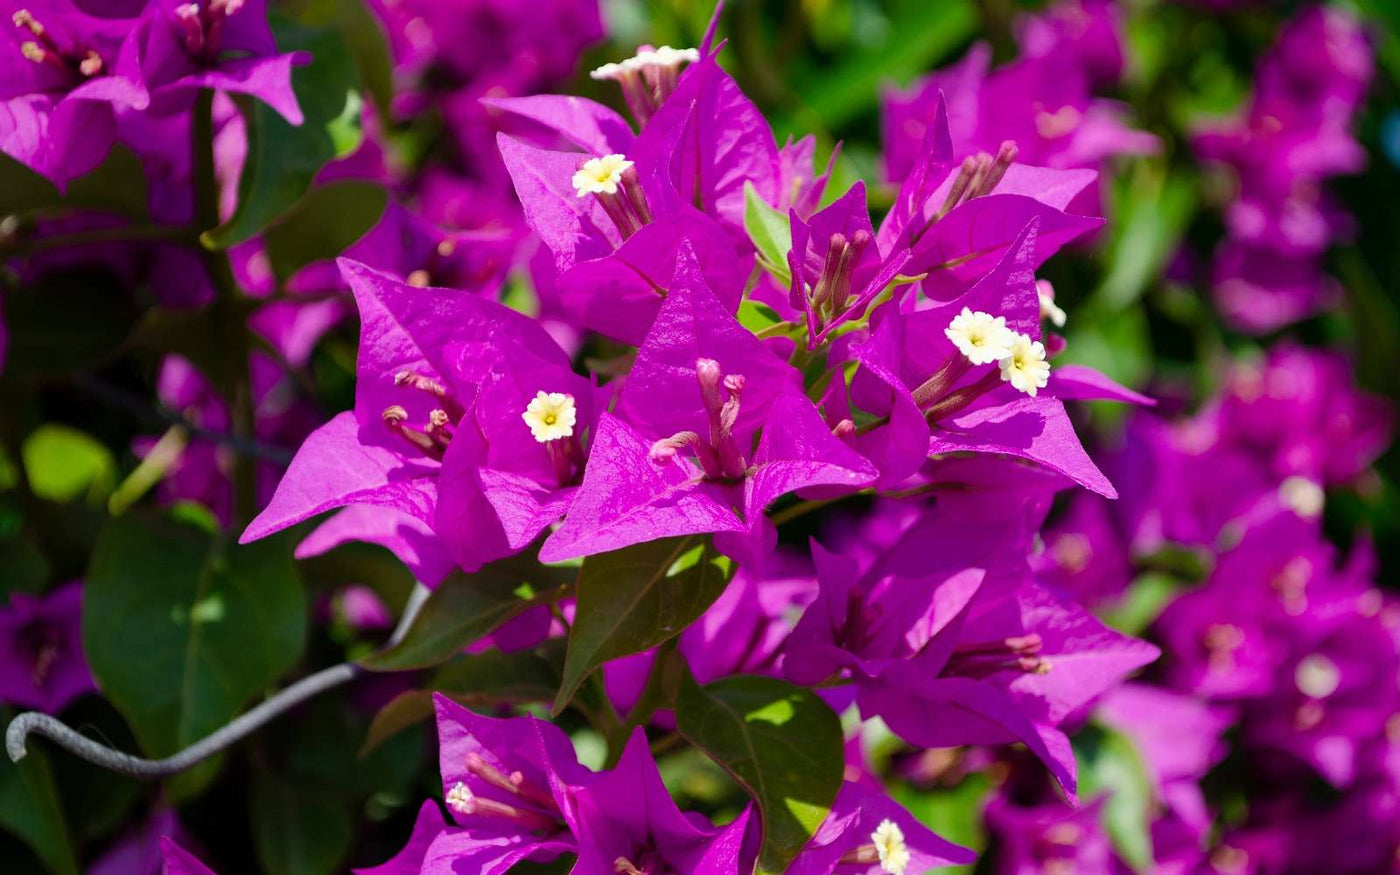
[60, 733]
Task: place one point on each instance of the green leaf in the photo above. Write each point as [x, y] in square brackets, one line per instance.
[782, 743]
[1155, 207]
[955, 813]
[369, 564]
[908, 44]
[182, 628]
[97, 802]
[370, 48]
[117, 185]
[62, 464]
[29, 808]
[633, 599]
[1142, 603]
[756, 317]
[283, 159]
[297, 829]
[1109, 763]
[1119, 344]
[318, 749]
[323, 224]
[68, 320]
[488, 678]
[770, 232]
[465, 608]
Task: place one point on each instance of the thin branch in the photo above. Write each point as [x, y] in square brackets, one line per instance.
[150, 770]
[138, 408]
[98, 754]
[133, 233]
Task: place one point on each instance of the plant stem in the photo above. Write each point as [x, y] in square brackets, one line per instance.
[229, 312]
[792, 512]
[135, 233]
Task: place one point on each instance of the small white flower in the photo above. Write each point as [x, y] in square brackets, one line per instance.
[608, 71]
[1048, 308]
[1025, 368]
[550, 415]
[460, 799]
[669, 57]
[982, 337]
[662, 57]
[1302, 496]
[889, 844]
[1316, 676]
[600, 175]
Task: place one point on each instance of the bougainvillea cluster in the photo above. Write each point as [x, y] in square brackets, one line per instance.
[724, 511]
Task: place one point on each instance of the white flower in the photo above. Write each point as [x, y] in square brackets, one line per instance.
[669, 57]
[600, 175]
[1025, 368]
[982, 337]
[608, 71]
[550, 415]
[889, 844]
[1048, 308]
[1302, 496]
[460, 799]
[1317, 676]
[662, 57]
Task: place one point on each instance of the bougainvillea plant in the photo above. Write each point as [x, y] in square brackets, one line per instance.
[724, 509]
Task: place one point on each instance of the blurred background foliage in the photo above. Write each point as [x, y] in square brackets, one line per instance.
[81, 370]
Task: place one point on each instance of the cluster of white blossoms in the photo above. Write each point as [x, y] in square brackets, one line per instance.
[601, 175]
[664, 57]
[551, 416]
[983, 338]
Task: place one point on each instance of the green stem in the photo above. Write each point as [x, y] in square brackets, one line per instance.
[229, 312]
[802, 508]
[605, 715]
[137, 233]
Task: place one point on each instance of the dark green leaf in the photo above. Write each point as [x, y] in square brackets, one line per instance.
[633, 599]
[29, 808]
[182, 628]
[465, 608]
[317, 747]
[782, 743]
[66, 321]
[117, 185]
[97, 802]
[369, 564]
[323, 224]
[486, 678]
[297, 829]
[283, 159]
[192, 333]
[365, 37]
